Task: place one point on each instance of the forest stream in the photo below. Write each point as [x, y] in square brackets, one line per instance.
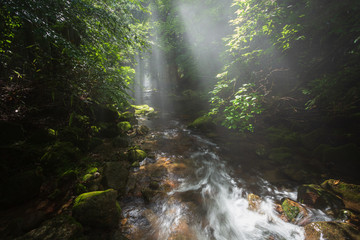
[192, 188]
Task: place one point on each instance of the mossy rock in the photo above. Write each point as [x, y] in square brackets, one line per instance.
[203, 123]
[290, 209]
[61, 227]
[60, 157]
[136, 155]
[293, 211]
[97, 209]
[124, 126]
[20, 188]
[11, 132]
[350, 193]
[331, 231]
[317, 197]
[143, 109]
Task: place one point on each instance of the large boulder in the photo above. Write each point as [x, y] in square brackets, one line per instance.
[330, 231]
[97, 209]
[136, 155]
[116, 175]
[61, 228]
[350, 193]
[317, 197]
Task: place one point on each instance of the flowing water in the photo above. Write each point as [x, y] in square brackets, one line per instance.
[200, 192]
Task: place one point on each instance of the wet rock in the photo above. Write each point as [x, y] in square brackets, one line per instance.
[131, 183]
[349, 216]
[294, 211]
[62, 227]
[142, 130]
[148, 194]
[254, 202]
[136, 155]
[330, 231]
[116, 175]
[350, 193]
[97, 209]
[317, 197]
[154, 185]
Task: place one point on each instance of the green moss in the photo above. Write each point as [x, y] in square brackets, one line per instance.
[143, 109]
[135, 164]
[87, 177]
[118, 207]
[85, 196]
[124, 126]
[136, 155]
[126, 116]
[202, 123]
[92, 170]
[350, 192]
[290, 210]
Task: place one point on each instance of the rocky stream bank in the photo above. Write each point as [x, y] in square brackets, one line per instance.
[125, 170]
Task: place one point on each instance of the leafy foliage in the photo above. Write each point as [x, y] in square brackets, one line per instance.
[65, 49]
[316, 42]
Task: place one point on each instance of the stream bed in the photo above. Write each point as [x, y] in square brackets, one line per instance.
[190, 188]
